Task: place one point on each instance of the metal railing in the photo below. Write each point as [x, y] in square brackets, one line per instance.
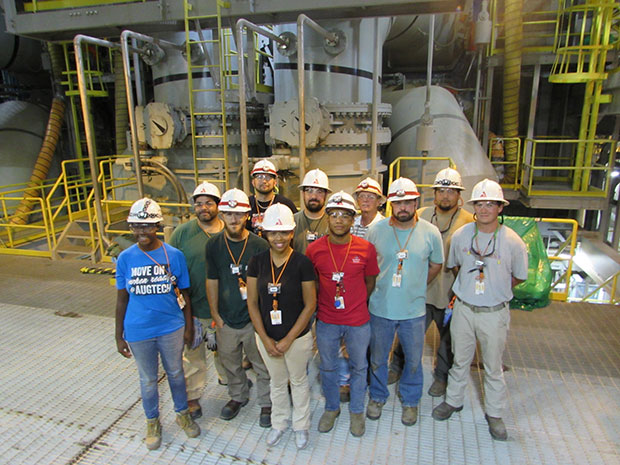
[10, 237]
[613, 279]
[563, 253]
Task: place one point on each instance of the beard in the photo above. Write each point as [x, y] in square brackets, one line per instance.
[314, 206]
[445, 208]
[404, 216]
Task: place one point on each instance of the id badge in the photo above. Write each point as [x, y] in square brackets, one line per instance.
[181, 301]
[276, 317]
[337, 276]
[274, 288]
[479, 263]
[402, 255]
[243, 290]
[235, 269]
[479, 287]
[339, 302]
[396, 279]
[310, 236]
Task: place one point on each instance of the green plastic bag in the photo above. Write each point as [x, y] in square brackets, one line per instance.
[534, 292]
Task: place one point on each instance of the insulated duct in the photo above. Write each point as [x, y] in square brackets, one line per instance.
[121, 114]
[44, 161]
[512, 82]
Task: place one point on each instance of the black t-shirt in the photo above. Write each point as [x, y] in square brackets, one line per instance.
[256, 212]
[290, 299]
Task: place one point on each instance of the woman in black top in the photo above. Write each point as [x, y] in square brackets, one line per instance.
[281, 301]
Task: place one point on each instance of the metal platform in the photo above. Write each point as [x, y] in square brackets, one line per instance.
[67, 397]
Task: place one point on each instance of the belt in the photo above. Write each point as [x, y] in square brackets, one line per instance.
[477, 309]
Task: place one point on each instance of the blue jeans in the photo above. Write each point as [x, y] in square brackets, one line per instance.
[411, 336]
[146, 353]
[356, 340]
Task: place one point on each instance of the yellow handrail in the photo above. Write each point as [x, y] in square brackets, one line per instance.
[612, 295]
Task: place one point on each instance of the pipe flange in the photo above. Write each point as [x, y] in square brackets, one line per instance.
[288, 49]
[336, 47]
[152, 54]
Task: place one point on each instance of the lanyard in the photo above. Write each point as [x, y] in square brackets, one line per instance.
[339, 283]
[317, 225]
[401, 248]
[237, 262]
[479, 262]
[434, 217]
[275, 281]
[173, 279]
[258, 207]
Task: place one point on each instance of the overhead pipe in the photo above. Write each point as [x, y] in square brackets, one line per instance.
[512, 82]
[332, 39]
[125, 36]
[78, 40]
[240, 25]
[376, 93]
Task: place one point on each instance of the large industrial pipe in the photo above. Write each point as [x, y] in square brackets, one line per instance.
[241, 24]
[512, 81]
[121, 118]
[43, 163]
[332, 38]
[125, 36]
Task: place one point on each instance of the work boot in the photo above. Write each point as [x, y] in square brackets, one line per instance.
[326, 423]
[345, 393]
[393, 376]
[497, 428]
[153, 434]
[437, 389]
[409, 416]
[444, 411]
[373, 411]
[358, 424]
[195, 410]
[187, 424]
[265, 417]
[231, 409]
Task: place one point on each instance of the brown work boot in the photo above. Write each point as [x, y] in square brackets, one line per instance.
[345, 393]
[410, 416]
[437, 389]
[444, 411]
[326, 423]
[153, 434]
[187, 424]
[358, 424]
[373, 411]
[497, 428]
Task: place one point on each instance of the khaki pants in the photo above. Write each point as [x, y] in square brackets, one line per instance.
[195, 366]
[291, 367]
[231, 343]
[490, 329]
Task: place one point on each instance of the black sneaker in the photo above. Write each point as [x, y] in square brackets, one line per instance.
[265, 417]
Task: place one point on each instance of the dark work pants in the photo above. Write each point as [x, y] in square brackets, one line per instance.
[444, 352]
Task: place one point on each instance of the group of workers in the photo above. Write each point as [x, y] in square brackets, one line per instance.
[248, 277]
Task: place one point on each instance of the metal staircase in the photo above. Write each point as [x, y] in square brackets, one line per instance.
[207, 58]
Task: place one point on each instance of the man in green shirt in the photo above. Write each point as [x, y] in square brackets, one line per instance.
[191, 239]
[311, 221]
[228, 254]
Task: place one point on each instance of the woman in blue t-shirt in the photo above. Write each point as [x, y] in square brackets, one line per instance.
[281, 301]
[153, 316]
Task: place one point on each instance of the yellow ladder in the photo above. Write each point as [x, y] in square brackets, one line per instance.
[581, 44]
[218, 73]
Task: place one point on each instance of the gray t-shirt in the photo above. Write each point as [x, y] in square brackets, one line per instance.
[507, 257]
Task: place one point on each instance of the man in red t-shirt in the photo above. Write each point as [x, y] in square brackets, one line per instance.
[346, 266]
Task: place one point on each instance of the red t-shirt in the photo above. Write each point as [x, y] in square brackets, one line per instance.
[361, 262]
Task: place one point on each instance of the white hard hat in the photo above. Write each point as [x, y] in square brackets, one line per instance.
[278, 217]
[234, 200]
[145, 211]
[341, 200]
[487, 190]
[370, 185]
[206, 188]
[402, 189]
[315, 178]
[264, 166]
[450, 178]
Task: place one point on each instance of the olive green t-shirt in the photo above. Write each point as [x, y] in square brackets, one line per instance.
[439, 290]
[304, 225]
[231, 307]
[190, 239]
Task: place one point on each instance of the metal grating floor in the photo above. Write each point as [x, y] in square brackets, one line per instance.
[67, 397]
